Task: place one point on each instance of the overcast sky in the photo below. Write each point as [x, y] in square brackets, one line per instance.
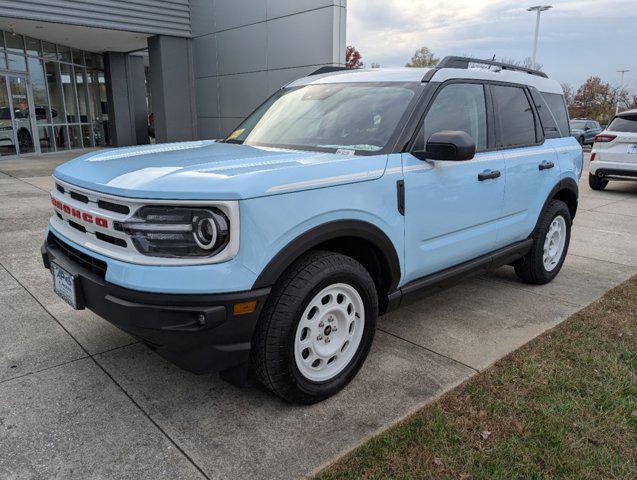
[578, 38]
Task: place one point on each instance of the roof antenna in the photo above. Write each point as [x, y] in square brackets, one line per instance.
[495, 68]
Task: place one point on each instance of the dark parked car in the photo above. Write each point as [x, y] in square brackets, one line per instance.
[585, 130]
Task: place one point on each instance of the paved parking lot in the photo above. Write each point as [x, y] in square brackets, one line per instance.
[80, 399]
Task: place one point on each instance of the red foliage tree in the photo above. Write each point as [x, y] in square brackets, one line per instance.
[353, 58]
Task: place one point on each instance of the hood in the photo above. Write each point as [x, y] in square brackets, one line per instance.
[208, 170]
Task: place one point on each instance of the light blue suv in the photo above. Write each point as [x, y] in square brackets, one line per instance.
[345, 195]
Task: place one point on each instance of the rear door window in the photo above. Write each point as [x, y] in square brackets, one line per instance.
[624, 124]
[515, 117]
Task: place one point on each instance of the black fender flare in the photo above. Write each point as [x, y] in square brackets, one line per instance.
[325, 232]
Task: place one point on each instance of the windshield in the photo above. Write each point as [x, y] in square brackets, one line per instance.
[352, 117]
[578, 125]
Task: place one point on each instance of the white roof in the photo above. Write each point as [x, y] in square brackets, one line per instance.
[417, 74]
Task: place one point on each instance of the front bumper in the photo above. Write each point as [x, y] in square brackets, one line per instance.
[199, 333]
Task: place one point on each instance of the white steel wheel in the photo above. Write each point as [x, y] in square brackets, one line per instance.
[554, 243]
[329, 332]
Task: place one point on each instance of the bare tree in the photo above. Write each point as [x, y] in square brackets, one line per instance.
[622, 97]
[568, 94]
[526, 63]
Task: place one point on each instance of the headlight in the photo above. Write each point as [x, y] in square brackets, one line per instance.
[177, 232]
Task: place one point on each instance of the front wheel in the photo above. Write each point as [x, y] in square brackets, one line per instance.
[316, 329]
[550, 245]
[25, 142]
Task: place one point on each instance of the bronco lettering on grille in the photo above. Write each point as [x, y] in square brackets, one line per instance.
[79, 214]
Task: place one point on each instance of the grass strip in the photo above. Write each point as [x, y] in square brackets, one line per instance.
[562, 406]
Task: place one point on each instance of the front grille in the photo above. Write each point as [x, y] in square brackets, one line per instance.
[94, 265]
[120, 242]
[79, 197]
[77, 226]
[113, 207]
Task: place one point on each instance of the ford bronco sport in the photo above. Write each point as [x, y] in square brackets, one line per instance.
[345, 195]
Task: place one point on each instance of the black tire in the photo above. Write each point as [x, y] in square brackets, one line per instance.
[581, 140]
[25, 141]
[596, 183]
[273, 344]
[531, 267]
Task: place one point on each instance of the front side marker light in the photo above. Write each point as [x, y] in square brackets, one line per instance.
[244, 308]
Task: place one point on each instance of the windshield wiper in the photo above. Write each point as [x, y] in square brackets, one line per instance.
[233, 141]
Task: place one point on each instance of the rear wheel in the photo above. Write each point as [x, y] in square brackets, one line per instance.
[550, 245]
[316, 329]
[596, 183]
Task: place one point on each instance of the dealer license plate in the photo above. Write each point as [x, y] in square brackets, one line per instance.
[64, 285]
[632, 148]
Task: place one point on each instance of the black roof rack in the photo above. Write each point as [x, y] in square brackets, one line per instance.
[463, 63]
[328, 69]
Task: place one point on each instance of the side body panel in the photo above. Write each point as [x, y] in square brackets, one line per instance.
[526, 189]
[271, 223]
[569, 156]
[450, 215]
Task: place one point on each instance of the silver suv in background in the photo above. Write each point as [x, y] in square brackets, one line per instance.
[585, 130]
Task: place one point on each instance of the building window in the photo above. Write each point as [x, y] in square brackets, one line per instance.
[67, 90]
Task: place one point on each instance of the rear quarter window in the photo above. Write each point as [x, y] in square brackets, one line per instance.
[549, 122]
[557, 105]
[624, 124]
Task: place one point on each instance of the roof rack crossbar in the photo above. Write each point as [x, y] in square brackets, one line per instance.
[327, 69]
[463, 63]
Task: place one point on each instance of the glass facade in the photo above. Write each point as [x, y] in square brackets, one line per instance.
[52, 97]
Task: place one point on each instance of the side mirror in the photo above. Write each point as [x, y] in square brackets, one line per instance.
[448, 145]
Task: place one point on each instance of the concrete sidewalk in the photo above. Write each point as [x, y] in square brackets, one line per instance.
[80, 399]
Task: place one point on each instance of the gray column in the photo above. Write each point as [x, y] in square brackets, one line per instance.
[137, 88]
[172, 88]
[126, 96]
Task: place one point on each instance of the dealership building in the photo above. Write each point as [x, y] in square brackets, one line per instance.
[85, 73]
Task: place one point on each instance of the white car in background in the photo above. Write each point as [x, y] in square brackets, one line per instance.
[614, 154]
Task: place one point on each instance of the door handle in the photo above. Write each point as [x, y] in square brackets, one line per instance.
[488, 175]
[546, 165]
